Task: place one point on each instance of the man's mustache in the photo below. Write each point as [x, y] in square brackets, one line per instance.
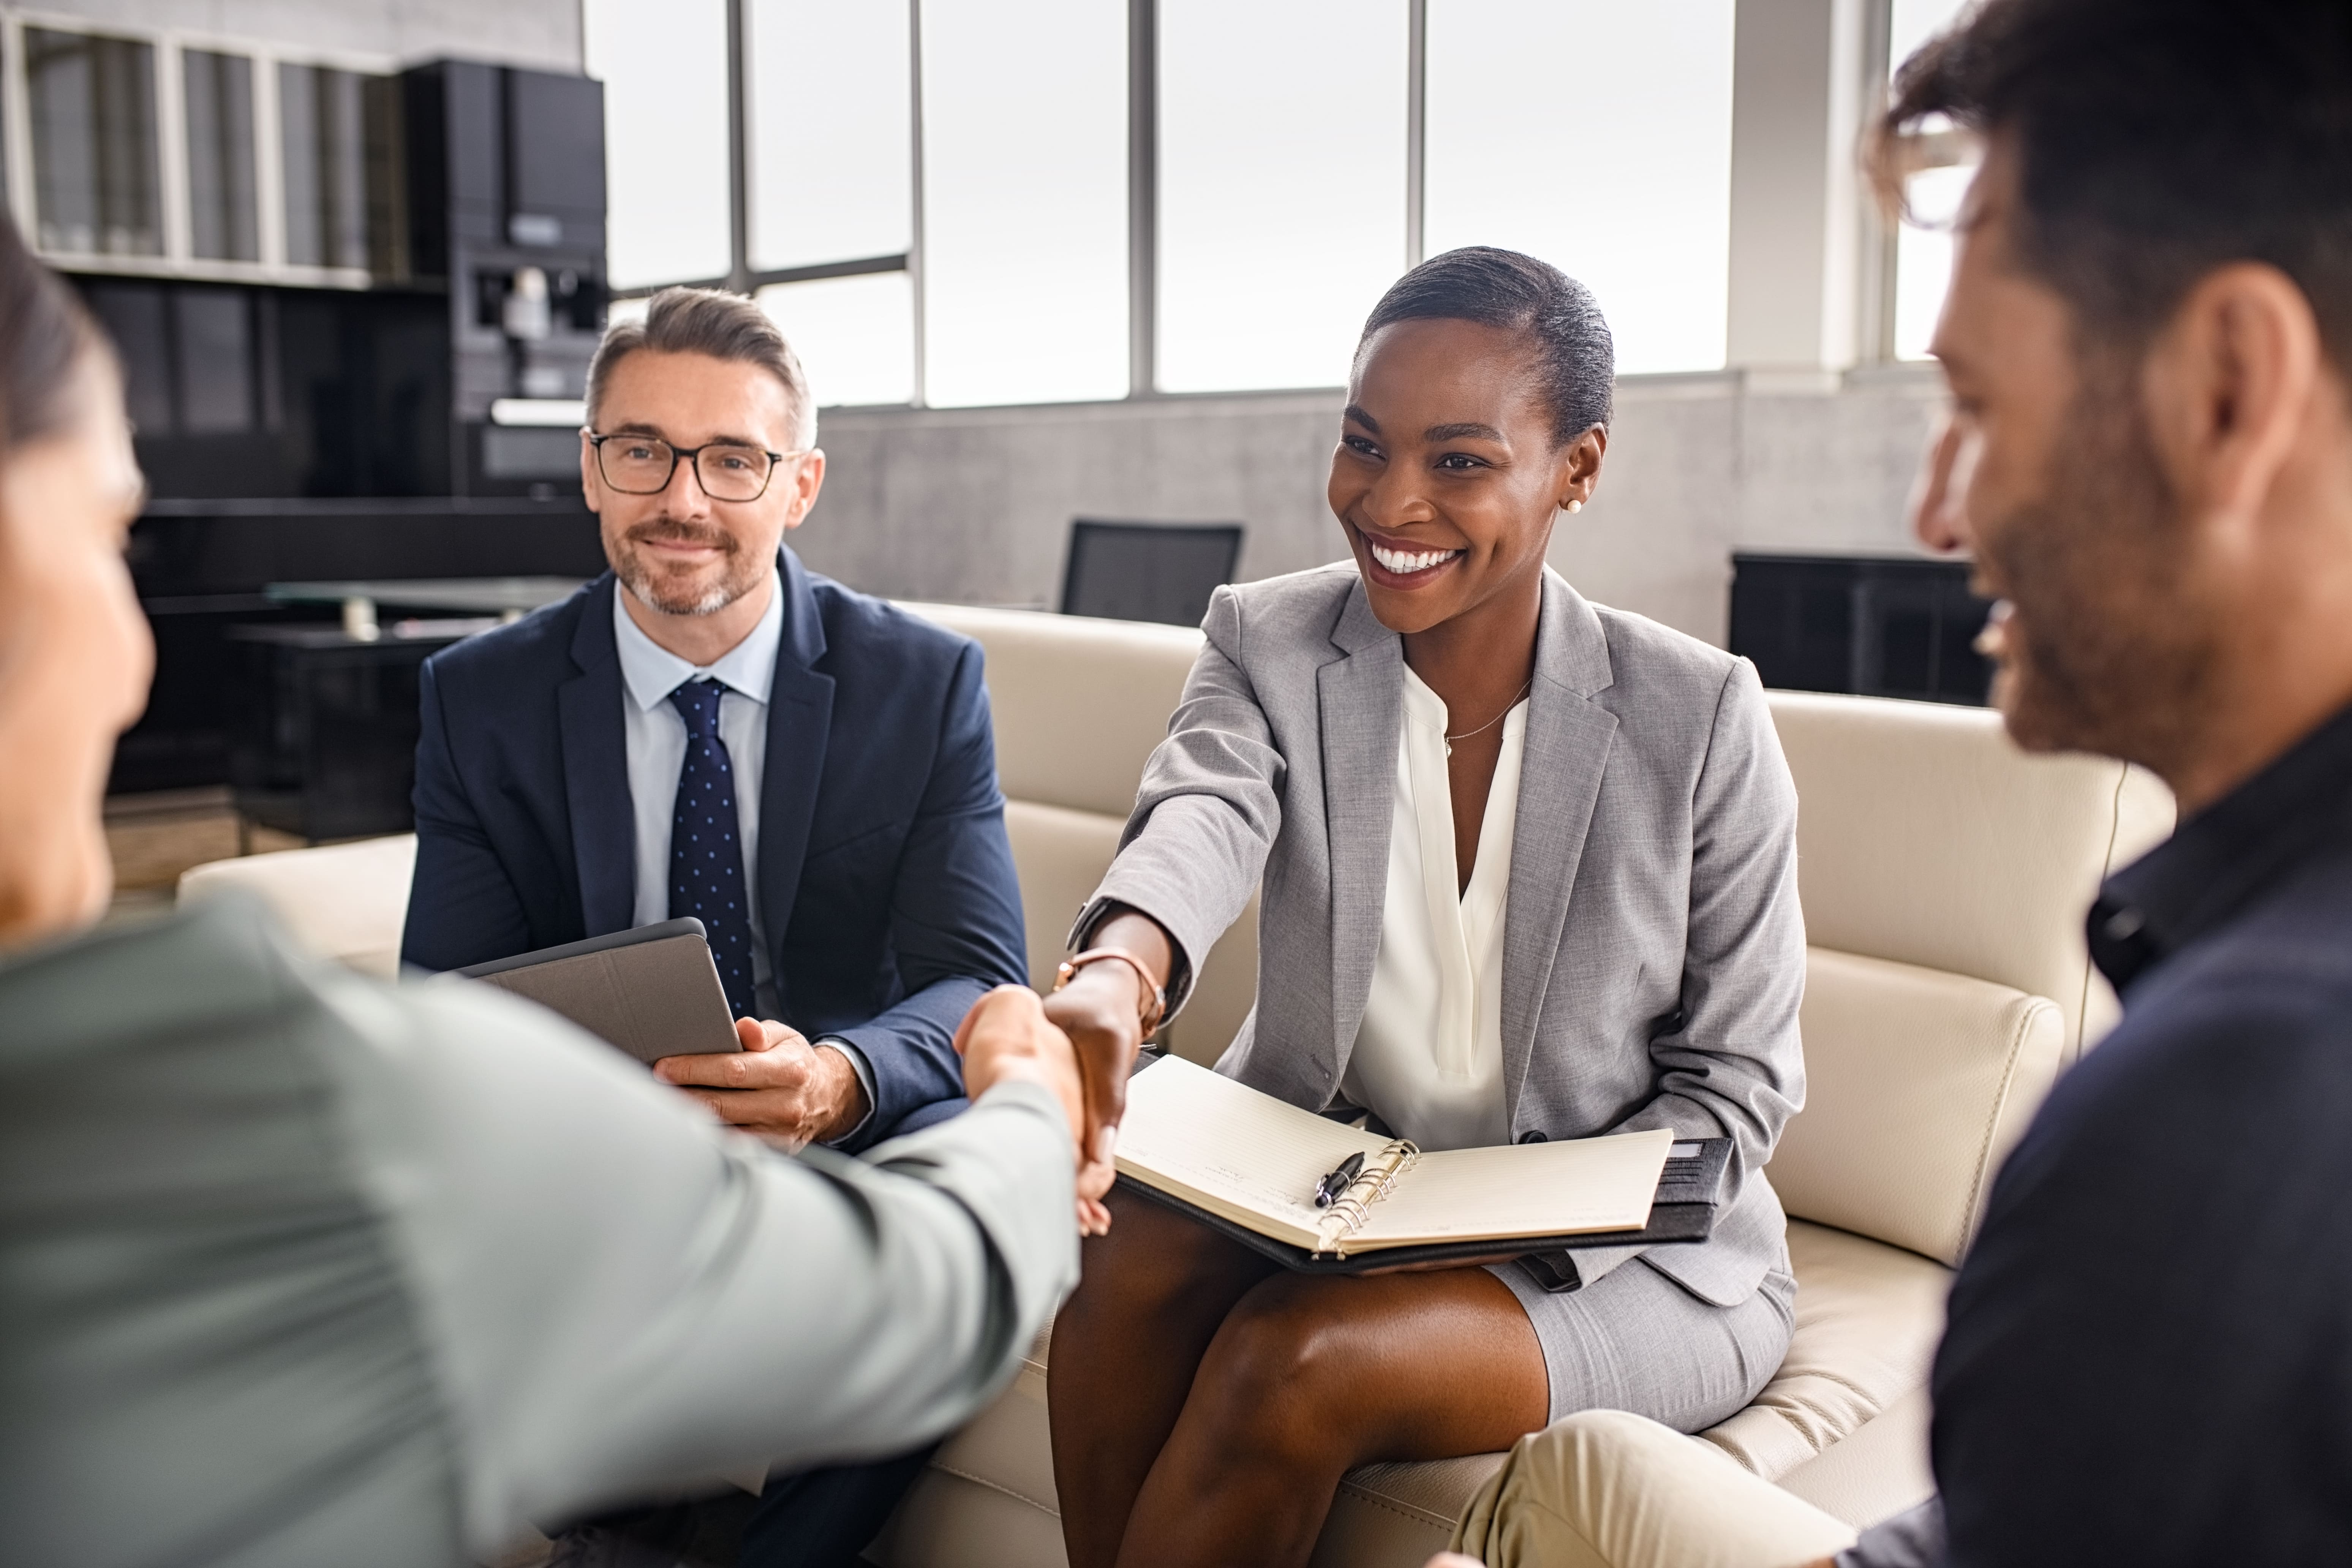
[662, 531]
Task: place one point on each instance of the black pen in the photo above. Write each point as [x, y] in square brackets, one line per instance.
[1327, 1190]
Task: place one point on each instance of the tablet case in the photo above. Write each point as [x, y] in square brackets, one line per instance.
[652, 991]
[1689, 1190]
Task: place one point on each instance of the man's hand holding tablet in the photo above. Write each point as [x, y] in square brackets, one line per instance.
[778, 1085]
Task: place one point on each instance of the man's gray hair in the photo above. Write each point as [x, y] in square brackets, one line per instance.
[707, 322]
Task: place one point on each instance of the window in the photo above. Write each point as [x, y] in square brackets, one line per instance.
[94, 157]
[1923, 247]
[855, 336]
[665, 137]
[336, 129]
[1024, 202]
[831, 132]
[1596, 135]
[1282, 186]
[223, 215]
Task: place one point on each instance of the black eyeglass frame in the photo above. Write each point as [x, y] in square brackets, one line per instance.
[694, 457]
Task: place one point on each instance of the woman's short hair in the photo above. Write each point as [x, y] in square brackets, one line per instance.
[1577, 358]
[44, 333]
[709, 321]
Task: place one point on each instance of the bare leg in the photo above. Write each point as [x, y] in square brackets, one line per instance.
[1310, 1376]
[1150, 1296]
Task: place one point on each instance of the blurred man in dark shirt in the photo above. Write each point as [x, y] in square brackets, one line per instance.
[2150, 1352]
[2148, 1357]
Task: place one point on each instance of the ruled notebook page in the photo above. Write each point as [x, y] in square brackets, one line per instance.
[1520, 1190]
[1243, 1155]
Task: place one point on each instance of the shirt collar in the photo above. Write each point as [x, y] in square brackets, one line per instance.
[652, 672]
[2220, 860]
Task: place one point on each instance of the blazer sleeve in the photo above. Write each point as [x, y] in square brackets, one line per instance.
[1207, 812]
[955, 917]
[683, 1302]
[463, 908]
[1732, 1064]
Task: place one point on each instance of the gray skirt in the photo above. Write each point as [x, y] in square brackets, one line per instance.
[1634, 1340]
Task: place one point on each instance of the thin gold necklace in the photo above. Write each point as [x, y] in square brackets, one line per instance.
[1490, 723]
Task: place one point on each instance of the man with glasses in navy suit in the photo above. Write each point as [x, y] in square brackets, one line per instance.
[710, 730]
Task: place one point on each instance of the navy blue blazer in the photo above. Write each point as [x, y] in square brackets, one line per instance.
[886, 886]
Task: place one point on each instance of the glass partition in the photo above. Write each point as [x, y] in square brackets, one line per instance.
[831, 132]
[855, 336]
[1282, 186]
[222, 212]
[92, 101]
[1596, 135]
[339, 132]
[1024, 202]
[664, 66]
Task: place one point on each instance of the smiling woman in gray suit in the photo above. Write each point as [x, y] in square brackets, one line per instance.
[1529, 871]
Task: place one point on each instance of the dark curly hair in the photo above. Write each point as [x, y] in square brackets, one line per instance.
[2157, 139]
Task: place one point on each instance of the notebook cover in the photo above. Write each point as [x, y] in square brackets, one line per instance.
[1689, 1190]
[652, 991]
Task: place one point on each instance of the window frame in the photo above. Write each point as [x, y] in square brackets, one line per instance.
[178, 260]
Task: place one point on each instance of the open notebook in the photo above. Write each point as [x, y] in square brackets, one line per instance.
[1230, 1154]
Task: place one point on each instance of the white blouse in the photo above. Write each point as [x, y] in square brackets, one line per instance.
[1428, 1058]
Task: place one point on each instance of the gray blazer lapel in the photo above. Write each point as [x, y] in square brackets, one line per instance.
[1361, 705]
[1568, 740]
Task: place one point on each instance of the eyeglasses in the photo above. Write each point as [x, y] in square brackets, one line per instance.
[643, 465]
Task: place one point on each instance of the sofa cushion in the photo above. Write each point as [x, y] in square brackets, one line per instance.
[1917, 1083]
[1078, 702]
[1926, 836]
[1868, 1317]
[1061, 855]
[344, 902]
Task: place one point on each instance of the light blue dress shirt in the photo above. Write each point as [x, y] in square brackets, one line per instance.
[655, 737]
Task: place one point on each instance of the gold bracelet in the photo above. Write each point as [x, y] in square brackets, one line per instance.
[1157, 997]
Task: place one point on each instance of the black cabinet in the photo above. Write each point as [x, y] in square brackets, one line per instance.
[1877, 626]
[325, 739]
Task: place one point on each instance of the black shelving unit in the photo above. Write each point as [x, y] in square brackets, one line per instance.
[1873, 626]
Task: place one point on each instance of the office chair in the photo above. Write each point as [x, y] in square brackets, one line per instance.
[1161, 572]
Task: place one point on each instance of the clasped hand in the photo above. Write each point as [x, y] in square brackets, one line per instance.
[778, 1085]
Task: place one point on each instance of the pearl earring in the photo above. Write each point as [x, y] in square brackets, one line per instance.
[1576, 506]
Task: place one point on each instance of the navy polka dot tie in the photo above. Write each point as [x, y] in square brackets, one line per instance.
[706, 860]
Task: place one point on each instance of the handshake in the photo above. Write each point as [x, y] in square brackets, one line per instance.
[1007, 1038]
[1013, 1035]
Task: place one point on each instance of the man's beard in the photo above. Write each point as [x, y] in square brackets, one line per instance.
[2108, 649]
[738, 577]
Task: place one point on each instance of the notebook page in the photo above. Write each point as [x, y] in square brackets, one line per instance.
[1227, 1148]
[1520, 1190]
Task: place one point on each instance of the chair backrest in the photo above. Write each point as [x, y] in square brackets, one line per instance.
[1160, 572]
[1944, 875]
[1078, 705]
[344, 902]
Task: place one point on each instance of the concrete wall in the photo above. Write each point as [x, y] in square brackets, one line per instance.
[545, 33]
[975, 505]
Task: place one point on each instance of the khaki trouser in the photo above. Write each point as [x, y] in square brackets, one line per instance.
[1606, 1490]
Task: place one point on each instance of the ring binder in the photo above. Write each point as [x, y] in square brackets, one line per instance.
[1351, 1208]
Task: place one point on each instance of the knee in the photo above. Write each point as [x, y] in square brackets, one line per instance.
[1273, 1380]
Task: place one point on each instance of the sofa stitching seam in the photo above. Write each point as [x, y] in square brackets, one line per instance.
[959, 1474]
[1402, 1510]
[1992, 1123]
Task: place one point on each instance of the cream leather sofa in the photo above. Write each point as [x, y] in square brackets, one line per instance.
[1944, 876]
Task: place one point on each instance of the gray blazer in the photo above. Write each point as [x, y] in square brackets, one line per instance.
[1654, 954]
[303, 1269]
